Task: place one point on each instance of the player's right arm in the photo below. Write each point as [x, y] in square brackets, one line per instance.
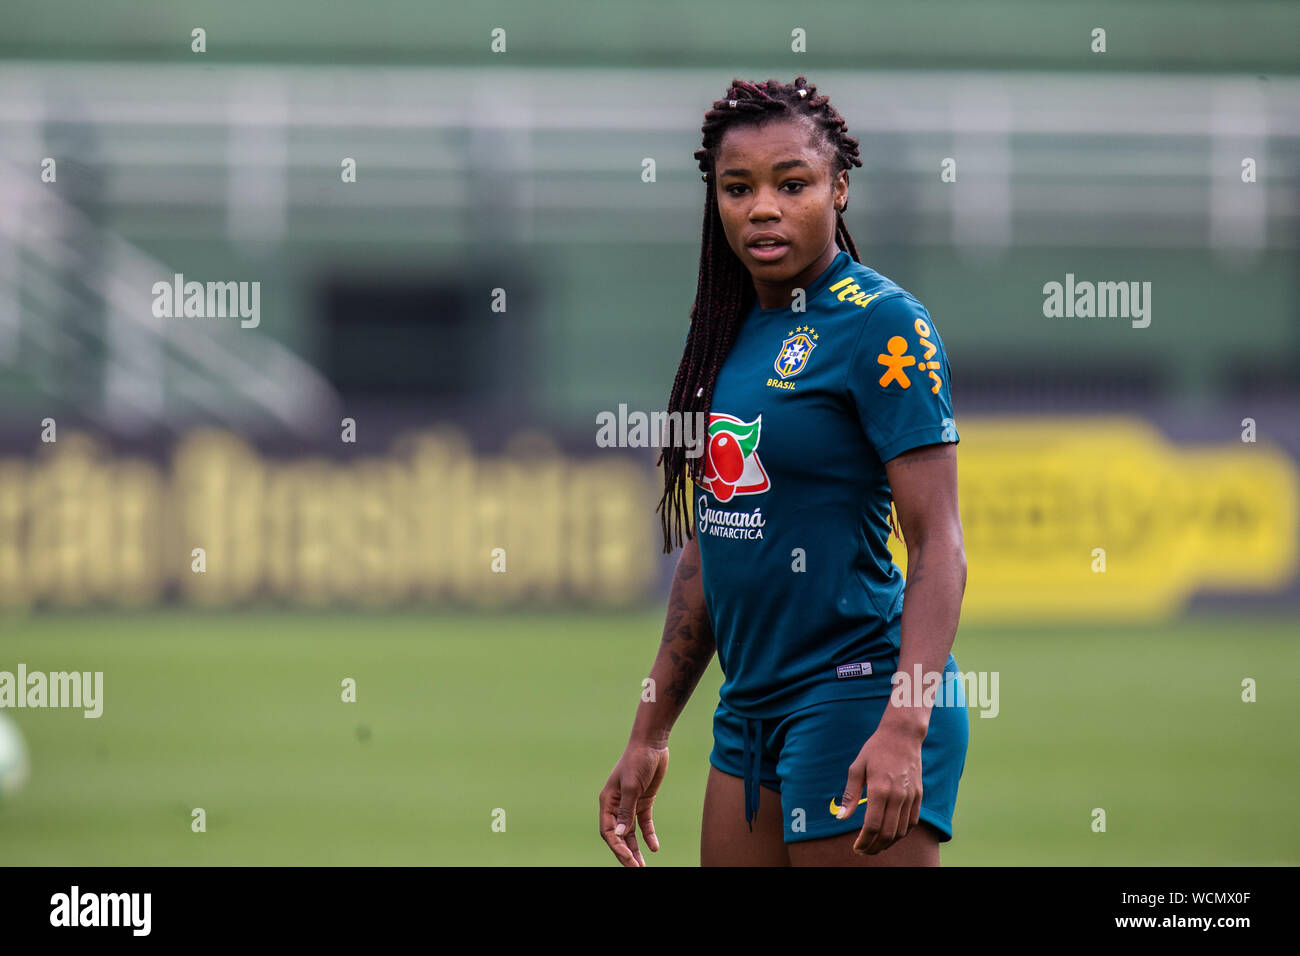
[684, 654]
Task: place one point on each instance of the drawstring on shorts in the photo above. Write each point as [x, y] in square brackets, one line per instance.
[753, 754]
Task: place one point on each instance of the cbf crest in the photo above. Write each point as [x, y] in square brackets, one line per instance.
[794, 353]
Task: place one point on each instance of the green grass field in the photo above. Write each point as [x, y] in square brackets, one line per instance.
[457, 715]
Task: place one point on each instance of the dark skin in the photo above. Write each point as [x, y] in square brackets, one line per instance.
[778, 178]
[685, 651]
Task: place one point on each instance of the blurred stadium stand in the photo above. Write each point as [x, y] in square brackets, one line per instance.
[233, 173]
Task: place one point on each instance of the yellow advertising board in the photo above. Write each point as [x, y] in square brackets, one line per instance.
[428, 520]
[1068, 519]
[1103, 518]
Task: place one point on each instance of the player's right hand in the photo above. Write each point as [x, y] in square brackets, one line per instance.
[627, 799]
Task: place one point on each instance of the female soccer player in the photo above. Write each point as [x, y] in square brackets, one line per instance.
[827, 390]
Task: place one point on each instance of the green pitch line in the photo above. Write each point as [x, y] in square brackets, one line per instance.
[459, 715]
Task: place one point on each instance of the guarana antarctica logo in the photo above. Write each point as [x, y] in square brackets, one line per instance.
[731, 464]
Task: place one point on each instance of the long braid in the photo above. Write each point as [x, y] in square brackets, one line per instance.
[725, 291]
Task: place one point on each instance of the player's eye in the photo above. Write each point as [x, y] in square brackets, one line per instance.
[729, 189]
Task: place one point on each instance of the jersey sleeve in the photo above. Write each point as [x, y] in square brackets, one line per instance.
[898, 379]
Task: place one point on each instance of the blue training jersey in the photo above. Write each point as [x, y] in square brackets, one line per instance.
[792, 513]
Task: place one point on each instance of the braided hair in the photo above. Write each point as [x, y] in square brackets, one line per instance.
[725, 292]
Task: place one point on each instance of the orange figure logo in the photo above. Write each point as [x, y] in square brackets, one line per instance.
[895, 362]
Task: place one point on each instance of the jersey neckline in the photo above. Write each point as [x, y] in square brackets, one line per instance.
[818, 285]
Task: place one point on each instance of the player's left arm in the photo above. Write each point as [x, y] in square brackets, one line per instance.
[898, 382]
[924, 483]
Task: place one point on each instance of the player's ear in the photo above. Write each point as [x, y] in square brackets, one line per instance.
[841, 192]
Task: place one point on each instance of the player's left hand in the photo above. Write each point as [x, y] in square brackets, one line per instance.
[889, 766]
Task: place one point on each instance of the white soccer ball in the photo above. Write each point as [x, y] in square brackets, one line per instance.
[14, 766]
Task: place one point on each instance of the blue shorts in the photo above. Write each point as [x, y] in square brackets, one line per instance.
[806, 755]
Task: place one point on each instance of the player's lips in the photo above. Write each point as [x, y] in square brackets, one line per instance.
[767, 245]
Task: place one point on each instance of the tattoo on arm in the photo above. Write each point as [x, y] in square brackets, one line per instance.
[914, 574]
[687, 635]
[907, 461]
